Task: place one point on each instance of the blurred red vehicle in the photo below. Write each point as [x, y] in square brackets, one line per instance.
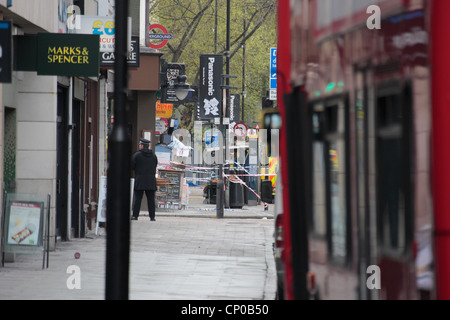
[363, 94]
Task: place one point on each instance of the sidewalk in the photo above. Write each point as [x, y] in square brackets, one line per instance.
[185, 255]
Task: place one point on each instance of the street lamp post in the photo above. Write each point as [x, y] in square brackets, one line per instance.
[244, 35]
[220, 192]
[118, 199]
[243, 64]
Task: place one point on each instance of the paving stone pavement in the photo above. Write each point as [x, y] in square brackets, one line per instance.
[184, 255]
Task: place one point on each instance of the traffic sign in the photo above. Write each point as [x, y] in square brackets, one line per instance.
[273, 83]
[273, 94]
[240, 130]
[273, 68]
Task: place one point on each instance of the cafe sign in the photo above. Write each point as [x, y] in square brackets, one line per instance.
[107, 59]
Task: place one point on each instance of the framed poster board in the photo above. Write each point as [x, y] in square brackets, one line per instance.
[23, 229]
[173, 188]
[102, 199]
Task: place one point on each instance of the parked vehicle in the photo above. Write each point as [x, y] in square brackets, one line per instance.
[364, 149]
[279, 242]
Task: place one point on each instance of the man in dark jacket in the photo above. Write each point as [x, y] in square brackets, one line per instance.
[144, 164]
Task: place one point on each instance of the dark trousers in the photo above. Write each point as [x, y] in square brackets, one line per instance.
[150, 194]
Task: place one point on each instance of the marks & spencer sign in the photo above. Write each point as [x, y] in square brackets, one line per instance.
[67, 54]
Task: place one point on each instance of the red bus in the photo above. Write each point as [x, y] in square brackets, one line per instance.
[363, 94]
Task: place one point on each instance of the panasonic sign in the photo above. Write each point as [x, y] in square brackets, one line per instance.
[210, 95]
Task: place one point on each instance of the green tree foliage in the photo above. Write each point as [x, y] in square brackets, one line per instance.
[192, 24]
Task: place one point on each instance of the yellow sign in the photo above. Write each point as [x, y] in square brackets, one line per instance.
[273, 169]
[67, 54]
[163, 110]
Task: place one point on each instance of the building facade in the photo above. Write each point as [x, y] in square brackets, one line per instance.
[54, 128]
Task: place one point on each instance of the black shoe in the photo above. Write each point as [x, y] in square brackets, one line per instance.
[134, 218]
[153, 219]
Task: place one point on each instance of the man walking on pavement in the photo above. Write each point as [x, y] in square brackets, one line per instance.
[144, 164]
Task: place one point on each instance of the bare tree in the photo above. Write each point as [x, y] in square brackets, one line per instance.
[192, 25]
[187, 17]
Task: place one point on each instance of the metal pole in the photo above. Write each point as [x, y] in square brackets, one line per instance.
[220, 192]
[243, 65]
[228, 41]
[147, 23]
[220, 184]
[48, 227]
[215, 30]
[118, 195]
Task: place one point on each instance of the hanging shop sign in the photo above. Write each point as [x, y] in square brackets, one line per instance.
[169, 74]
[67, 54]
[210, 93]
[107, 59]
[5, 51]
[234, 111]
[104, 27]
[163, 110]
[57, 54]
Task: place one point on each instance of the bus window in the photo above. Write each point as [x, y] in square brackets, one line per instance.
[337, 181]
[393, 163]
[318, 219]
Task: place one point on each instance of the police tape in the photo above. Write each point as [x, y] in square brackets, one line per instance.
[240, 181]
[251, 175]
[213, 168]
[198, 179]
[186, 165]
[227, 176]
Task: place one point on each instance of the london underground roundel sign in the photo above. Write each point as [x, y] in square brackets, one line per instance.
[165, 36]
